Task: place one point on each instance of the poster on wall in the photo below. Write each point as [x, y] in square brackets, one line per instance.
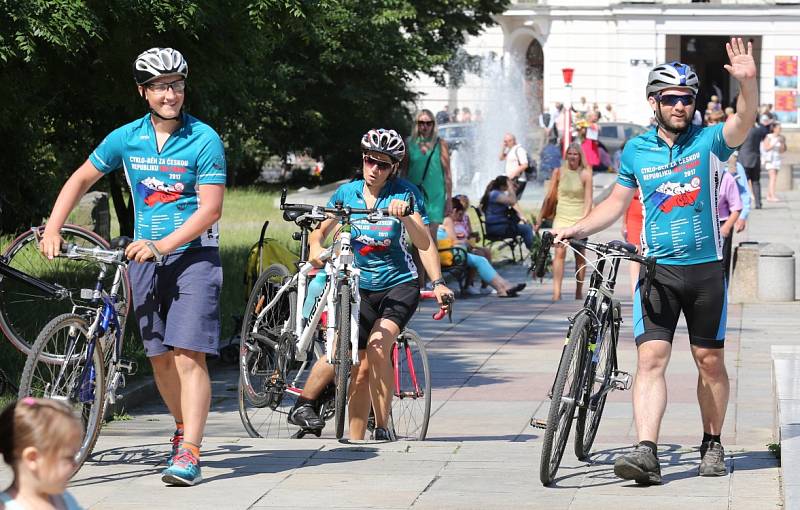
[786, 72]
[786, 106]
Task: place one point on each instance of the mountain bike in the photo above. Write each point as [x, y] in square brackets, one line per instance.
[33, 290]
[588, 368]
[76, 358]
[278, 345]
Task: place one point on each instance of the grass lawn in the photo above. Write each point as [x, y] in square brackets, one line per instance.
[244, 212]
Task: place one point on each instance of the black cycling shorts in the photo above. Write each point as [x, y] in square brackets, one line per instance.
[397, 304]
[699, 290]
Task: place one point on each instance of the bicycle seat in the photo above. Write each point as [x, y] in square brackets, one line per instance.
[291, 215]
[120, 243]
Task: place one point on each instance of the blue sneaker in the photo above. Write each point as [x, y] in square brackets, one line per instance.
[177, 439]
[184, 471]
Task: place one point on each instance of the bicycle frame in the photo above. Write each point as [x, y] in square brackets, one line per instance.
[338, 268]
[54, 291]
[103, 319]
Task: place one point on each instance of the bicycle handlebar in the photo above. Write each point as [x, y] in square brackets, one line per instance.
[342, 211]
[445, 308]
[98, 254]
[619, 249]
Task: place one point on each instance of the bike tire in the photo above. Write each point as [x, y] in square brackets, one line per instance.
[411, 409]
[38, 375]
[599, 375]
[264, 413]
[561, 413]
[17, 299]
[344, 360]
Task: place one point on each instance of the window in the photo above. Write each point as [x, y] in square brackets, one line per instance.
[608, 131]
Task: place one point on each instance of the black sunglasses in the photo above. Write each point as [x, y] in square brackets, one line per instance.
[425, 122]
[672, 99]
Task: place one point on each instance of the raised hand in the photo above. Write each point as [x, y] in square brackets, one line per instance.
[742, 66]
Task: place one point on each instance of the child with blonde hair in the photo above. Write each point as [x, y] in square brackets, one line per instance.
[39, 439]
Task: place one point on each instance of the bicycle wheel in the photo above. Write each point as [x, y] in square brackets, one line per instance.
[344, 359]
[24, 310]
[264, 403]
[76, 380]
[411, 405]
[562, 403]
[603, 365]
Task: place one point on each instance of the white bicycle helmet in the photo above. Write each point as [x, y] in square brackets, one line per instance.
[672, 75]
[385, 141]
[156, 62]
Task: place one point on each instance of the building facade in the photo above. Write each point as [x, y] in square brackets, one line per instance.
[612, 45]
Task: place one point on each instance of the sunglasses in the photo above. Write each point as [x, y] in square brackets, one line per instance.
[672, 99]
[377, 163]
[177, 86]
[425, 122]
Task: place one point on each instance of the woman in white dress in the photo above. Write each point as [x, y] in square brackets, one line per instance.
[773, 146]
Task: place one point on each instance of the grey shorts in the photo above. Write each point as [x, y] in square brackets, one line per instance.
[177, 303]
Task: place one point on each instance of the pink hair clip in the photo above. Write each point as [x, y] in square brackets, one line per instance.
[29, 401]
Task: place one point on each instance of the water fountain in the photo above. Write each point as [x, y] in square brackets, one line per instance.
[507, 107]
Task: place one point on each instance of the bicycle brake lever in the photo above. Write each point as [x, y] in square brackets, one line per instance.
[445, 308]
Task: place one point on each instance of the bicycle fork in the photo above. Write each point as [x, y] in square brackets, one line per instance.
[417, 393]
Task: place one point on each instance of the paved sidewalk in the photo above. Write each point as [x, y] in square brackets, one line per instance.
[491, 370]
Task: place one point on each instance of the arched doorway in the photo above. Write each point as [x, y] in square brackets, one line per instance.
[534, 78]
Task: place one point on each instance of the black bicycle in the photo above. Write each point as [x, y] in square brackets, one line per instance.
[34, 290]
[588, 368]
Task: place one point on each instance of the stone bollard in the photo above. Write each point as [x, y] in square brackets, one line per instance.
[92, 213]
[784, 181]
[775, 272]
[744, 279]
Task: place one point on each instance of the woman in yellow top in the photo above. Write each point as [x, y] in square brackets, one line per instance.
[572, 184]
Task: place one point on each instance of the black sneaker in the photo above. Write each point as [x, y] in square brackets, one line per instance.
[712, 459]
[305, 417]
[381, 434]
[640, 466]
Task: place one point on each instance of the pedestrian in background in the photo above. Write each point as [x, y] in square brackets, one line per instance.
[516, 159]
[774, 146]
[750, 156]
[427, 165]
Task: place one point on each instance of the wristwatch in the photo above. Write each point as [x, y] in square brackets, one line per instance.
[156, 254]
[439, 281]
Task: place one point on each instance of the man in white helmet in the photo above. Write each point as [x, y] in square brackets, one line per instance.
[677, 169]
[175, 166]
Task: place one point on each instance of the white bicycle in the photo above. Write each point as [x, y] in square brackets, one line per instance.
[278, 344]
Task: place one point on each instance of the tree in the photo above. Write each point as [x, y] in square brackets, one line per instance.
[271, 76]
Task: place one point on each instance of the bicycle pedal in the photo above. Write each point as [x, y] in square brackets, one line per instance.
[621, 380]
[538, 424]
[130, 367]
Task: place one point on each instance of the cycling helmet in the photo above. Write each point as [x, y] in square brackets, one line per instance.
[385, 141]
[157, 62]
[671, 75]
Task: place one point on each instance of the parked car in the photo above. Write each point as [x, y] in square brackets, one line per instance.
[614, 134]
[458, 133]
[460, 138]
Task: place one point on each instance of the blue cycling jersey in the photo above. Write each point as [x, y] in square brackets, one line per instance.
[164, 184]
[679, 186]
[381, 250]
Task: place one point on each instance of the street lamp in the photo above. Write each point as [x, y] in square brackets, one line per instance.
[567, 73]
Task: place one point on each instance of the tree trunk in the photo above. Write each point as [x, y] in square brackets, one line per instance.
[124, 210]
